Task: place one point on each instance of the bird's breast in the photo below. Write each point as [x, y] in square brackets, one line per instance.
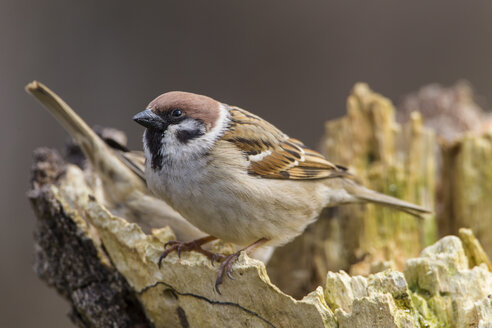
[237, 207]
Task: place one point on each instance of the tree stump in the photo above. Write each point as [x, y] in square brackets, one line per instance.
[106, 265]
[467, 187]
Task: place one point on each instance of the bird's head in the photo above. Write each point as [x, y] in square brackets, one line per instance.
[180, 125]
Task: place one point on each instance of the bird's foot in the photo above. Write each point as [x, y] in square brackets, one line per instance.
[226, 269]
[194, 245]
[226, 266]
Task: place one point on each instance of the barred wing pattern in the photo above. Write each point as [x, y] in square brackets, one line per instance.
[272, 154]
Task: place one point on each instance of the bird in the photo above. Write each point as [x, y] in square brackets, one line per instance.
[121, 172]
[238, 178]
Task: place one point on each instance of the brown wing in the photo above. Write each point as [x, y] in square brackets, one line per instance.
[272, 154]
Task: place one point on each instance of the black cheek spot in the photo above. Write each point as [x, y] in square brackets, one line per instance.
[186, 135]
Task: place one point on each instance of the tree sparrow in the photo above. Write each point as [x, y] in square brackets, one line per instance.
[121, 173]
[236, 177]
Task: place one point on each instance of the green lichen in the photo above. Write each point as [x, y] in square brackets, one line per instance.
[425, 316]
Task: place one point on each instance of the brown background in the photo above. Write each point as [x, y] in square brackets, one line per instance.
[293, 62]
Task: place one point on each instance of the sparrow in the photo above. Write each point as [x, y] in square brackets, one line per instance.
[121, 175]
[237, 177]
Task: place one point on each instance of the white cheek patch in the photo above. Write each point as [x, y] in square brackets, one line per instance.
[187, 124]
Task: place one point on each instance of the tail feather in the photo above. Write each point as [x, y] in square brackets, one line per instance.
[66, 116]
[96, 150]
[366, 195]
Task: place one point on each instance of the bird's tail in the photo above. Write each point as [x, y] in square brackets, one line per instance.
[65, 115]
[95, 149]
[364, 194]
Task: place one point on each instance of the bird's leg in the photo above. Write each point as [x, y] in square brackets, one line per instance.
[194, 245]
[226, 265]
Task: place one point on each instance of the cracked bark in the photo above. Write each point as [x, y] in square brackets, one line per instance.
[67, 259]
[182, 314]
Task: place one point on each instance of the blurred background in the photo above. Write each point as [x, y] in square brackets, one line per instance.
[292, 62]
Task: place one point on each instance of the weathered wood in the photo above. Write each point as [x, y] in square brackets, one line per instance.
[84, 240]
[107, 268]
[467, 187]
[393, 159]
[464, 133]
[474, 251]
[66, 257]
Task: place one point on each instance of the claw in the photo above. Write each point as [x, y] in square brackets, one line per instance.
[165, 254]
[217, 283]
[226, 268]
[195, 245]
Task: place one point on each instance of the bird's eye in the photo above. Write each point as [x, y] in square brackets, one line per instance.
[177, 112]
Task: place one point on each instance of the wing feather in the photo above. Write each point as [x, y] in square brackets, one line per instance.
[272, 154]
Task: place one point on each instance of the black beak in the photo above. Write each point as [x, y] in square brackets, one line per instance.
[150, 120]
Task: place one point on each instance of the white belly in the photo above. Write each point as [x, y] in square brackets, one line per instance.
[239, 210]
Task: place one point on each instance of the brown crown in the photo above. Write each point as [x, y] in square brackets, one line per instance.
[195, 106]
